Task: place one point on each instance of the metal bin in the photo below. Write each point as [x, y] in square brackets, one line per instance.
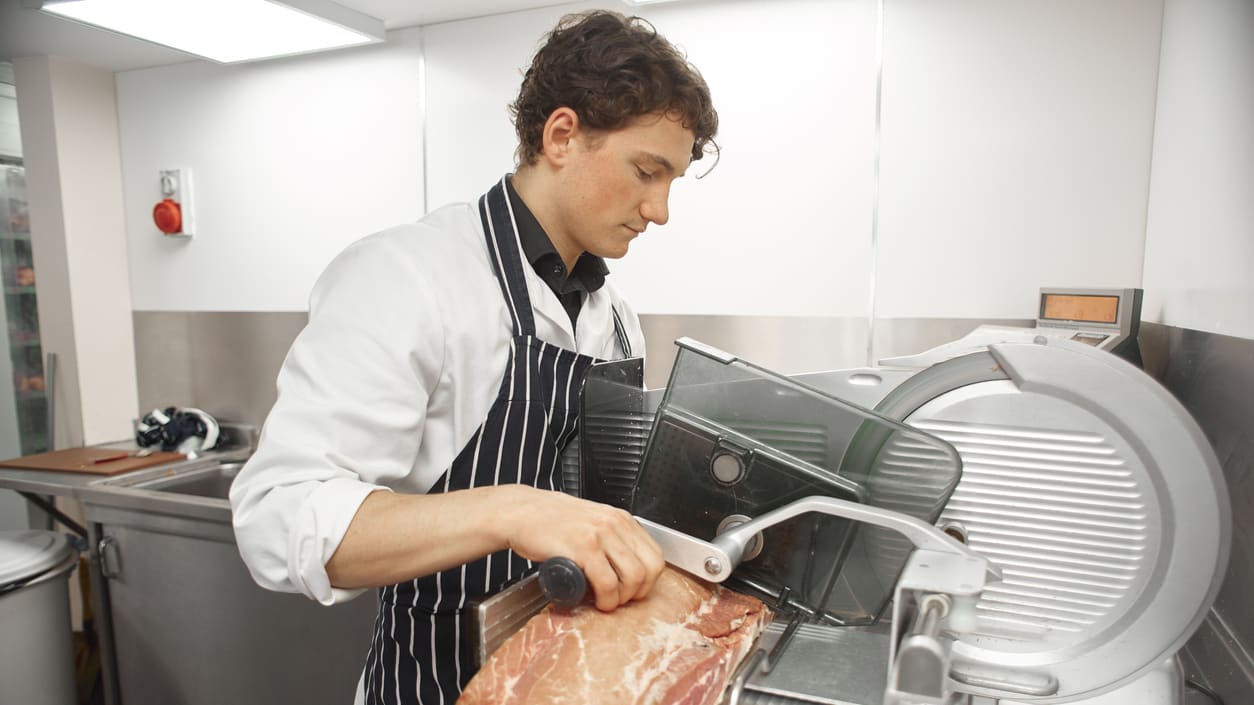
[36, 641]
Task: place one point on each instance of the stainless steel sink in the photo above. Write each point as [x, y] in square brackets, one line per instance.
[198, 486]
[194, 489]
[213, 481]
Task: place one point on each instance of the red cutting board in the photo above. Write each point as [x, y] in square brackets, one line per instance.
[97, 461]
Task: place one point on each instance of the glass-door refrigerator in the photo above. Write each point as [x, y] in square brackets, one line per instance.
[23, 401]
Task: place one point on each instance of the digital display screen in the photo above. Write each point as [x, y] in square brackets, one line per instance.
[1079, 307]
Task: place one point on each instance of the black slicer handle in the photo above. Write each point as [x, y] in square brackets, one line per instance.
[563, 582]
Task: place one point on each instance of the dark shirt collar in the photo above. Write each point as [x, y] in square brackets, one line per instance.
[590, 270]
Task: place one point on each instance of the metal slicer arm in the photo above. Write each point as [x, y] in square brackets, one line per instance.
[735, 541]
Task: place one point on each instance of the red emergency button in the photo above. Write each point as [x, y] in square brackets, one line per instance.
[168, 217]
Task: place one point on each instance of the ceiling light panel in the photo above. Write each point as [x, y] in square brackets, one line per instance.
[228, 31]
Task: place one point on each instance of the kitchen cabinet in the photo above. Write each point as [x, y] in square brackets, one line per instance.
[186, 622]
[191, 627]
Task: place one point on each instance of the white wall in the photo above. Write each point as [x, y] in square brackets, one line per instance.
[291, 161]
[470, 140]
[1016, 151]
[1199, 258]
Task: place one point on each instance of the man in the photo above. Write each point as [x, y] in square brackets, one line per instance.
[421, 414]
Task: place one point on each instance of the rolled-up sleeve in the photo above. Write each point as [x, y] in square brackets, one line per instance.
[348, 421]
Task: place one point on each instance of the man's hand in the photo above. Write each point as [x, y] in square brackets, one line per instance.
[618, 557]
[397, 537]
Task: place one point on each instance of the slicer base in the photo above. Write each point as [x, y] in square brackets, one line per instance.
[847, 667]
[1164, 685]
[824, 665]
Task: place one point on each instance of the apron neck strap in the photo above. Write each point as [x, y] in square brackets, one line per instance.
[501, 231]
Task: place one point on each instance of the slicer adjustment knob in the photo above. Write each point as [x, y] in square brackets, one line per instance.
[727, 468]
[755, 544]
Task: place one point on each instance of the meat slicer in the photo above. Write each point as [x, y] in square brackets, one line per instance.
[1018, 517]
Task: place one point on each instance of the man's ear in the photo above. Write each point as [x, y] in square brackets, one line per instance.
[559, 135]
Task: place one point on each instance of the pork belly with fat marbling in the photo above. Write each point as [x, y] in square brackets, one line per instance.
[678, 646]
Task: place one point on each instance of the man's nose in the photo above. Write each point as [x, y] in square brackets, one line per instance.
[654, 209]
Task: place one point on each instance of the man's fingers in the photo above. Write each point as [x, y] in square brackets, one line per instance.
[653, 563]
[645, 562]
[631, 575]
[603, 580]
[633, 556]
[652, 556]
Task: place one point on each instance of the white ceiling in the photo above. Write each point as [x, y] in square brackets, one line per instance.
[26, 32]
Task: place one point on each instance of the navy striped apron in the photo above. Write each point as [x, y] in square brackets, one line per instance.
[418, 653]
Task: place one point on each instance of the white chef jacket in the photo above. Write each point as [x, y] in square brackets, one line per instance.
[406, 344]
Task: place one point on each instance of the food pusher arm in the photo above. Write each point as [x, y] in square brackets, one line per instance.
[715, 561]
[565, 585]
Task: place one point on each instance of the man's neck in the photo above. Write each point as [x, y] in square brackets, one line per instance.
[539, 193]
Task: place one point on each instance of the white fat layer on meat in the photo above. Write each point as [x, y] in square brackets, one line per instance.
[665, 639]
[511, 682]
[584, 666]
[660, 641]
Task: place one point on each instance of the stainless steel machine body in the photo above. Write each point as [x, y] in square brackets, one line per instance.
[1091, 490]
[1095, 518]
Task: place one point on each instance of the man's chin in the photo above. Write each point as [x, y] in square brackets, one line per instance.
[615, 253]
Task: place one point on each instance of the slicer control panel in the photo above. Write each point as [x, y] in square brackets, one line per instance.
[1107, 319]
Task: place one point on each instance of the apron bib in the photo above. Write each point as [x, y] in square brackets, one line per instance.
[418, 653]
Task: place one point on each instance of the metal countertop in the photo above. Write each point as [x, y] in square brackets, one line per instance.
[55, 482]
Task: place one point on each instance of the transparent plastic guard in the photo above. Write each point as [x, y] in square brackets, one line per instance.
[733, 440]
[615, 417]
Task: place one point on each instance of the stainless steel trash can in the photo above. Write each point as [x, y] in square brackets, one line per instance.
[36, 642]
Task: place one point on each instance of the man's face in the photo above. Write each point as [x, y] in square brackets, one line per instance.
[616, 183]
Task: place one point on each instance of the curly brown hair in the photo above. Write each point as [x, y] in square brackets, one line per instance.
[609, 69]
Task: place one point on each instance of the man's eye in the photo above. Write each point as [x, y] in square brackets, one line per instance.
[644, 175]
